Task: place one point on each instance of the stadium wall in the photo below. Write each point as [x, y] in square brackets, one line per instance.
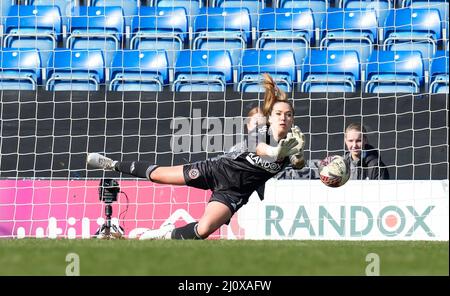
[360, 210]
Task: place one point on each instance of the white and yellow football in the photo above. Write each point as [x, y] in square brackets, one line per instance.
[334, 171]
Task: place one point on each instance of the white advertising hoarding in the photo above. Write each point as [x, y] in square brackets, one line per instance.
[359, 210]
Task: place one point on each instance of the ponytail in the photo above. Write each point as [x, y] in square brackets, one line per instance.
[272, 95]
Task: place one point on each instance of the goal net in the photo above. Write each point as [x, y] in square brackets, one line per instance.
[149, 81]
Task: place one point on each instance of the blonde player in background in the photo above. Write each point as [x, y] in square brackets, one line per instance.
[364, 159]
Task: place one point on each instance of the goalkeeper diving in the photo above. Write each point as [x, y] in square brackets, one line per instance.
[231, 177]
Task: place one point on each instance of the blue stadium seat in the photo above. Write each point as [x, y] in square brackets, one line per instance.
[253, 6]
[394, 72]
[350, 29]
[37, 27]
[381, 7]
[203, 70]
[286, 28]
[331, 71]
[192, 6]
[4, 9]
[413, 29]
[439, 73]
[97, 28]
[20, 69]
[441, 5]
[5, 5]
[65, 7]
[161, 28]
[280, 64]
[80, 70]
[135, 70]
[223, 28]
[446, 36]
[130, 7]
[318, 7]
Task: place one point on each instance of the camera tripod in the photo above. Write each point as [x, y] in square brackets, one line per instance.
[109, 230]
[107, 193]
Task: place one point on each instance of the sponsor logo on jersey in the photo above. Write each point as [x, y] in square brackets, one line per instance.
[272, 167]
[193, 174]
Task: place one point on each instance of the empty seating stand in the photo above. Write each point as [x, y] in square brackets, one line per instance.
[353, 29]
[65, 7]
[381, 7]
[161, 28]
[4, 7]
[318, 7]
[280, 64]
[286, 28]
[97, 28]
[331, 71]
[37, 27]
[134, 70]
[129, 7]
[439, 73]
[223, 28]
[413, 29]
[306, 45]
[441, 5]
[4, 10]
[192, 7]
[20, 69]
[253, 6]
[203, 70]
[75, 70]
[394, 72]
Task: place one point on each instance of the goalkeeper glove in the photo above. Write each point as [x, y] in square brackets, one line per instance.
[297, 134]
[297, 160]
[286, 147]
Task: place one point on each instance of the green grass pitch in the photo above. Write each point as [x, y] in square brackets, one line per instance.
[222, 257]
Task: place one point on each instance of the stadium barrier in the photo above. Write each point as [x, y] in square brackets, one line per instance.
[292, 209]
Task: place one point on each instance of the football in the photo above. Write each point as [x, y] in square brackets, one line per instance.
[334, 171]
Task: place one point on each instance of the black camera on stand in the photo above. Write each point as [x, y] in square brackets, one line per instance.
[108, 190]
[107, 193]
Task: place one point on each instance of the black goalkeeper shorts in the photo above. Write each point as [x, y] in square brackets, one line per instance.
[200, 175]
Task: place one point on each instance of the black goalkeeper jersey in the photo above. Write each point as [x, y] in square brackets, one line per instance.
[239, 172]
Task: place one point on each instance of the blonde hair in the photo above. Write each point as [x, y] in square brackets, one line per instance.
[253, 111]
[272, 95]
[356, 127]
